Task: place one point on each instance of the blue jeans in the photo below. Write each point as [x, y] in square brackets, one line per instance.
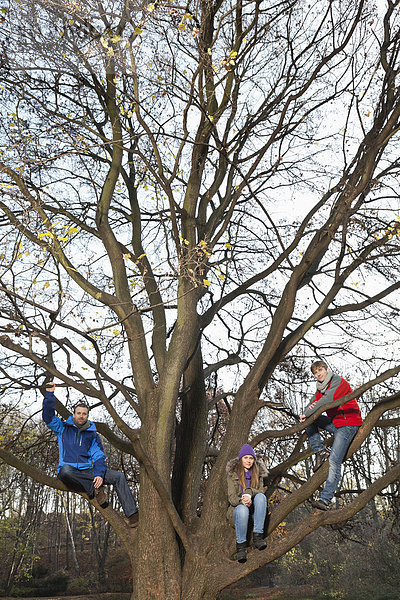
[341, 442]
[81, 480]
[241, 517]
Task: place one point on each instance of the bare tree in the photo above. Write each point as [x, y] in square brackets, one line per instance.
[148, 152]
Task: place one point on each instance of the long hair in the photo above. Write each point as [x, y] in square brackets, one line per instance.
[242, 478]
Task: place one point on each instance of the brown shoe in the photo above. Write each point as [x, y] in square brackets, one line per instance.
[101, 496]
[133, 520]
[320, 504]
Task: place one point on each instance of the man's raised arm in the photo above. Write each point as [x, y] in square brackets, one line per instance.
[48, 412]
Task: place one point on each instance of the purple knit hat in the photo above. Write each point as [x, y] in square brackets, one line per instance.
[246, 450]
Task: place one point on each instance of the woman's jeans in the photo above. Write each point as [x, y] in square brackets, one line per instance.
[341, 442]
[241, 513]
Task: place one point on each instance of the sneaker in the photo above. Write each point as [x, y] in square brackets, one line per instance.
[101, 496]
[320, 458]
[320, 504]
[133, 520]
[259, 541]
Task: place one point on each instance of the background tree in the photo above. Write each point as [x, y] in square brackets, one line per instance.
[186, 189]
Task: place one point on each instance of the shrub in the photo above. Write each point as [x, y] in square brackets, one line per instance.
[53, 584]
[80, 585]
[22, 592]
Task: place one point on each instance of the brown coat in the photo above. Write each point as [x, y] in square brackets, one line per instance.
[234, 491]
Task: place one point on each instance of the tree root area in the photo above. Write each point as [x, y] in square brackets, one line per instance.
[97, 596]
[291, 592]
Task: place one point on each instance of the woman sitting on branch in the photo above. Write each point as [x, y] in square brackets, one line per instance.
[246, 498]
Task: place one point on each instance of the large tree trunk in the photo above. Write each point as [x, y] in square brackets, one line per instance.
[160, 573]
[191, 436]
[156, 564]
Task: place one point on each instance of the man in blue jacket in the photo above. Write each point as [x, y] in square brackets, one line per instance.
[82, 465]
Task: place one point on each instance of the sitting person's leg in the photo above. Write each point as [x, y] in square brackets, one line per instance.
[125, 496]
[260, 511]
[241, 519]
[78, 480]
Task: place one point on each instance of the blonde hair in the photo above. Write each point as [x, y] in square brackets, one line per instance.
[254, 475]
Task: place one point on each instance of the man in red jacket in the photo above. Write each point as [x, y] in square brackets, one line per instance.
[343, 421]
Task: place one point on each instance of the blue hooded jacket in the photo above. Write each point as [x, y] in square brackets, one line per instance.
[80, 449]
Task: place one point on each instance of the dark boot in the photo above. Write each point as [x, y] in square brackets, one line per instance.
[259, 541]
[320, 458]
[241, 554]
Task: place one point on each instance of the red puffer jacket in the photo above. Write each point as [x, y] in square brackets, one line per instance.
[346, 414]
